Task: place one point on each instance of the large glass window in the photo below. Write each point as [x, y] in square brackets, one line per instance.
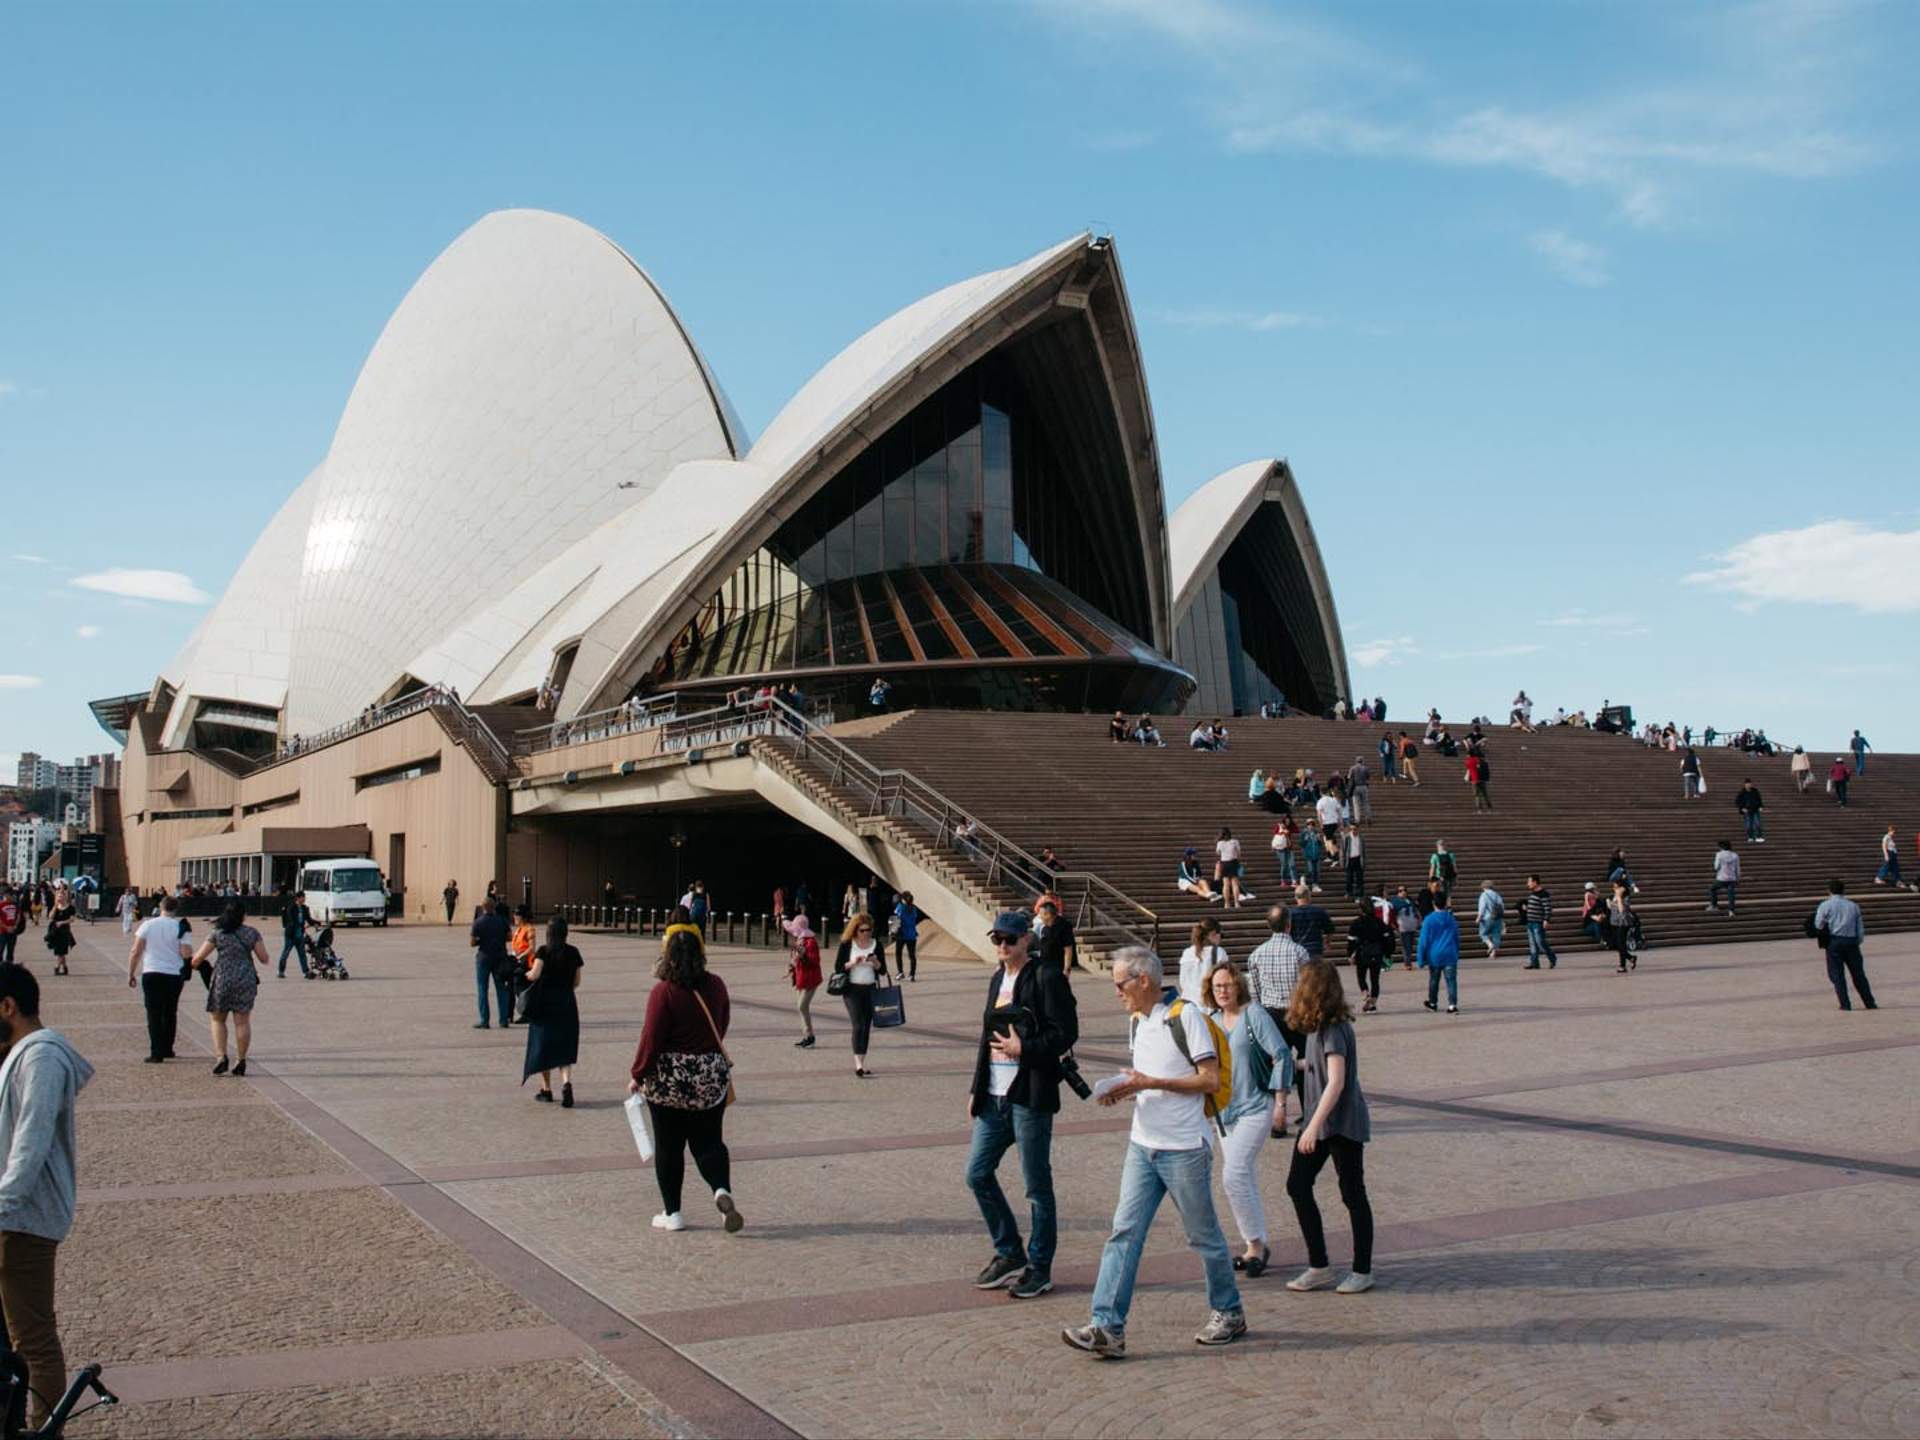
[920, 550]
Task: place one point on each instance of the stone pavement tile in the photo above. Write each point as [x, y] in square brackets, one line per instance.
[1792, 1103]
[554, 1398]
[1663, 1326]
[215, 1142]
[146, 1280]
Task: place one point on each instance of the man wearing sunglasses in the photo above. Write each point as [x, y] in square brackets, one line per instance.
[1030, 1022]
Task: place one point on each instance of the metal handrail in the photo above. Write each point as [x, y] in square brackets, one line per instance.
[896, 794]
[464, 725]
[658, 714]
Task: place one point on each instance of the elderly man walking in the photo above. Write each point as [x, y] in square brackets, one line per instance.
[1176, 1066]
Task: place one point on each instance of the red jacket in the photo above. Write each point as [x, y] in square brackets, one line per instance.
[676, 1024]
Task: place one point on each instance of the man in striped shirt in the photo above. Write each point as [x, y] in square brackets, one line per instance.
[1537, 911]
[1272, 971]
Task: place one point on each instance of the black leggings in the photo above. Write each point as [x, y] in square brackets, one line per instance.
[910, 949]
[1366, 970]
[859, 1000]
[677, 1131]
[1349, 1164]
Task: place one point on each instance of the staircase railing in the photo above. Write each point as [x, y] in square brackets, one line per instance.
[1096, 908]
[460, 723]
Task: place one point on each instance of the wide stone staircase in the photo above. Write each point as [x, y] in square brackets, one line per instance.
[1563, 800]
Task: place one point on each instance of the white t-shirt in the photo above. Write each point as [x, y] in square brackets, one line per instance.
[1001, 1073]
[161, 955]
[860, 966]
[1193, 971]
[1166, 1119]
[1328, 809]
[1227, 849]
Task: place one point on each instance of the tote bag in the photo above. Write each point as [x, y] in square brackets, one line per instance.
[889, 1007]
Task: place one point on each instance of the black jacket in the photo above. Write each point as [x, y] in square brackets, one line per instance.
[1054, 944]
[1748, 802]
[1048, 1026]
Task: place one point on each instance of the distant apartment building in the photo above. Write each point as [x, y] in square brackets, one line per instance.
[36, 773]
[27, 841]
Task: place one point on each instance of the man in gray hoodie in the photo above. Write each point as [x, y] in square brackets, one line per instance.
[39, 1080]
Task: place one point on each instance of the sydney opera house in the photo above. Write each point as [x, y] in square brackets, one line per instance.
[539, 492]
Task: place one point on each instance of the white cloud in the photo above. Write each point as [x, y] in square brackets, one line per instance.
[87, 632]
[31, 559]
[1834, 562]
[1494, 652]
[1580, 618]
[1376, 653]
[1258, 321]
[168, 585]
[20, 682]
[1572, 260]
[1758, 89]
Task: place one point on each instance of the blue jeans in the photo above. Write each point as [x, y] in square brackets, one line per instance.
[482, 974]
[1732, 887]
[1285, 858]
[1538, 944]
[296, 941]
[1150, 1176]
[1001, 1124]
[1408, 940]
[1313, 869]
[1754, 832]
[1453, 984]
[1859, 762]
[1890, 870]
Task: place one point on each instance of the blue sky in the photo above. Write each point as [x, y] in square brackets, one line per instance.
[1589, 329]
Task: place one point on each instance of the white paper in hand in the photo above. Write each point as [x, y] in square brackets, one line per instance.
[1103, 1088]
[637, 1120]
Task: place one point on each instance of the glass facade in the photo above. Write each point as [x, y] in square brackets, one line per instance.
[1252, 633]
[963, 536]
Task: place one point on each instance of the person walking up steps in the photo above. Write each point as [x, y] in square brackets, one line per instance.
[1889, 871]
[1337, 1128]
[1538, 911]
[1842, 929]
[1441, 866]
[1439, 953]
[1359, 794]
[1029, 1023]
[1837, 777]
[1859, 746]
[1409, 759]
[1490, 918]
[1749, 804]
[1175, 1068]
[1690, 775]
[1353, 851]
[1726, 876]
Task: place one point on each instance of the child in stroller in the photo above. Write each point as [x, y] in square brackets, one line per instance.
[326, 962]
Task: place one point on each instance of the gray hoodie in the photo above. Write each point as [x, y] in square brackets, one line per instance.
[38, 1084]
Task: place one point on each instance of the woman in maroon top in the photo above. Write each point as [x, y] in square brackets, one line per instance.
[682, 1069]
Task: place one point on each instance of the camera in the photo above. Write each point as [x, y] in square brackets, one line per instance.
[1076, 1082]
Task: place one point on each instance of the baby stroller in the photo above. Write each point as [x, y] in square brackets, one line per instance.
[325, 962]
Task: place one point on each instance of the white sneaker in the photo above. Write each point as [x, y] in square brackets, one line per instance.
[675, 1221]
[1312, 1279]
[1357, 1283]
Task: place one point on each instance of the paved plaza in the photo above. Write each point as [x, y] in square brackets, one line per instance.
[1681, 1202]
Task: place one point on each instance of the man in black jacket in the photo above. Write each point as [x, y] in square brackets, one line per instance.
[1055, 945]
[1030, 1022]
[1749, 804]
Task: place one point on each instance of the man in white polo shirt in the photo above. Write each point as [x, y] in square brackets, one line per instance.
[1167, 1154]
[157, 966]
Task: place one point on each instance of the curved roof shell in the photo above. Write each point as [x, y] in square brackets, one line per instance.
[731, 510]
[533, 384]
[1214, 516]
[242, 649]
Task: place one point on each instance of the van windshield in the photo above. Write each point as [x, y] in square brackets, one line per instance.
[364, 877]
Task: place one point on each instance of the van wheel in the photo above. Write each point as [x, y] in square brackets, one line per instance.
[381, 922]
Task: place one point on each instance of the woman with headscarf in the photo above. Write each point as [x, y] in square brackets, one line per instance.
[553, 1014]
[803, 969]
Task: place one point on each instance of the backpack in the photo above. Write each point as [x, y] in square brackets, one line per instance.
[1222, 1094]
